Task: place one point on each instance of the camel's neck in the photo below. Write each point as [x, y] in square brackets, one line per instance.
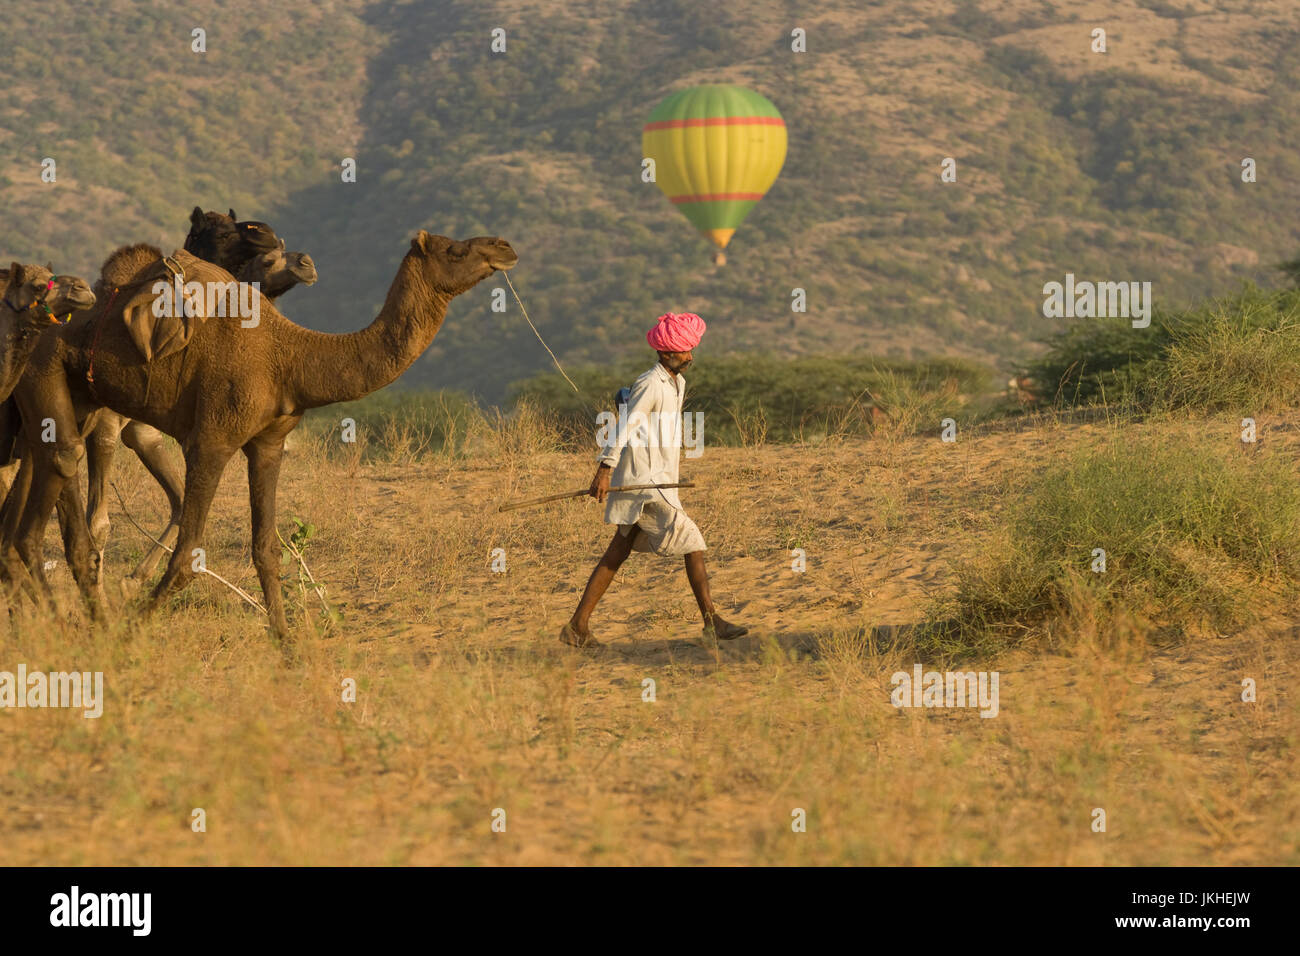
[343, 368]
[17, 343]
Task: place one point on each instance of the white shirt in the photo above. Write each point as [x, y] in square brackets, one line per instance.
[646, 446]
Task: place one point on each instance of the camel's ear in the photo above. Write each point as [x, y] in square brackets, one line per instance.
[281, 245]
[233, 216]
[196, 216]
[421, 242]
[49, 267]
[15, 275]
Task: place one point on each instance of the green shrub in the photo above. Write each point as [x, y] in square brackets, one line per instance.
[397, 423]
[798, 399]
[1195, 532]
[1241, 353]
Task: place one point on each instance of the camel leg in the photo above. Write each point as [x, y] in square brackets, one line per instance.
[14, 569]
[11, 424]
[264, 456]
[85, 564]
[10, 449]
[149, 447]
[52, 464]
[99, 467]
[203, 467]
[52, 452]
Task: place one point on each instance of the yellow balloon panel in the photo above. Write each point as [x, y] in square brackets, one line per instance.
[734, 160]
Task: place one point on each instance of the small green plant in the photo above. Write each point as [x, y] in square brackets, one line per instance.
[302, 533]
[293, 550]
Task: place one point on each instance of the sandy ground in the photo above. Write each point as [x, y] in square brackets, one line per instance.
[466, 704]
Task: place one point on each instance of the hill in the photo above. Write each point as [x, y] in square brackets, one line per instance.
[1115, 166]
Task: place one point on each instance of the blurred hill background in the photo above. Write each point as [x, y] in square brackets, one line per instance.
[1117, 166]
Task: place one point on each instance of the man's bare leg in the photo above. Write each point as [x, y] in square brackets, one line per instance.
[606, 568]
[699, 578]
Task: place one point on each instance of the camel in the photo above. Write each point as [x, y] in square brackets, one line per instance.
[33, 299]
[276, 272]
[225, 241]
[232, 244]
[230, 388]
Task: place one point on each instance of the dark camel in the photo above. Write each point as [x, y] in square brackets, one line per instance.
[231, 388]
[225, 241]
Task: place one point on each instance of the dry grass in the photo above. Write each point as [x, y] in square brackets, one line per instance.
[466, 702]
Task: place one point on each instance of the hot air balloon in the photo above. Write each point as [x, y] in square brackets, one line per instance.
[717, 149]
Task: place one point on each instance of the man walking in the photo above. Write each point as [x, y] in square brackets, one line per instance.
[646, 450]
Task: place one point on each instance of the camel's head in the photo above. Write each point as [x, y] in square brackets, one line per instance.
[279, 271]
[225, 241]
[454, 265]
[37, 297]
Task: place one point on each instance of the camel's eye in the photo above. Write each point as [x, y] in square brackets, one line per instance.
[457, 250]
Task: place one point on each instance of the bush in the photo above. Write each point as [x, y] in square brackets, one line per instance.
[764, 397]
[1241, 354]
[1195, 534]
[397, 424]
[1245, 362]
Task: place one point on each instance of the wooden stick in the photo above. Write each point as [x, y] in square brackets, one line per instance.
[586, 491]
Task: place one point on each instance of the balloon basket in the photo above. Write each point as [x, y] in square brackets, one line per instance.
[719, 258]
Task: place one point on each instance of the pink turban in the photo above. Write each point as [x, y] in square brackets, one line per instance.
[676, 332]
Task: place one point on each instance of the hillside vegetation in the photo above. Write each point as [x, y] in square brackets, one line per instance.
[1117, 166]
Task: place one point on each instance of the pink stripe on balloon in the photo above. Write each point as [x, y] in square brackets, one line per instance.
[716, 121]
[715, 197]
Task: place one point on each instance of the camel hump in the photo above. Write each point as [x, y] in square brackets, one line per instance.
[128, 262]
[138, 263]
[200, 270]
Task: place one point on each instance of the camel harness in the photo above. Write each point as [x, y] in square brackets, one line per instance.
[174, 269]
[49, 287]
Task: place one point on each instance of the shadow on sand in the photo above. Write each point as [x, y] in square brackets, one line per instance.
[700, 649]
